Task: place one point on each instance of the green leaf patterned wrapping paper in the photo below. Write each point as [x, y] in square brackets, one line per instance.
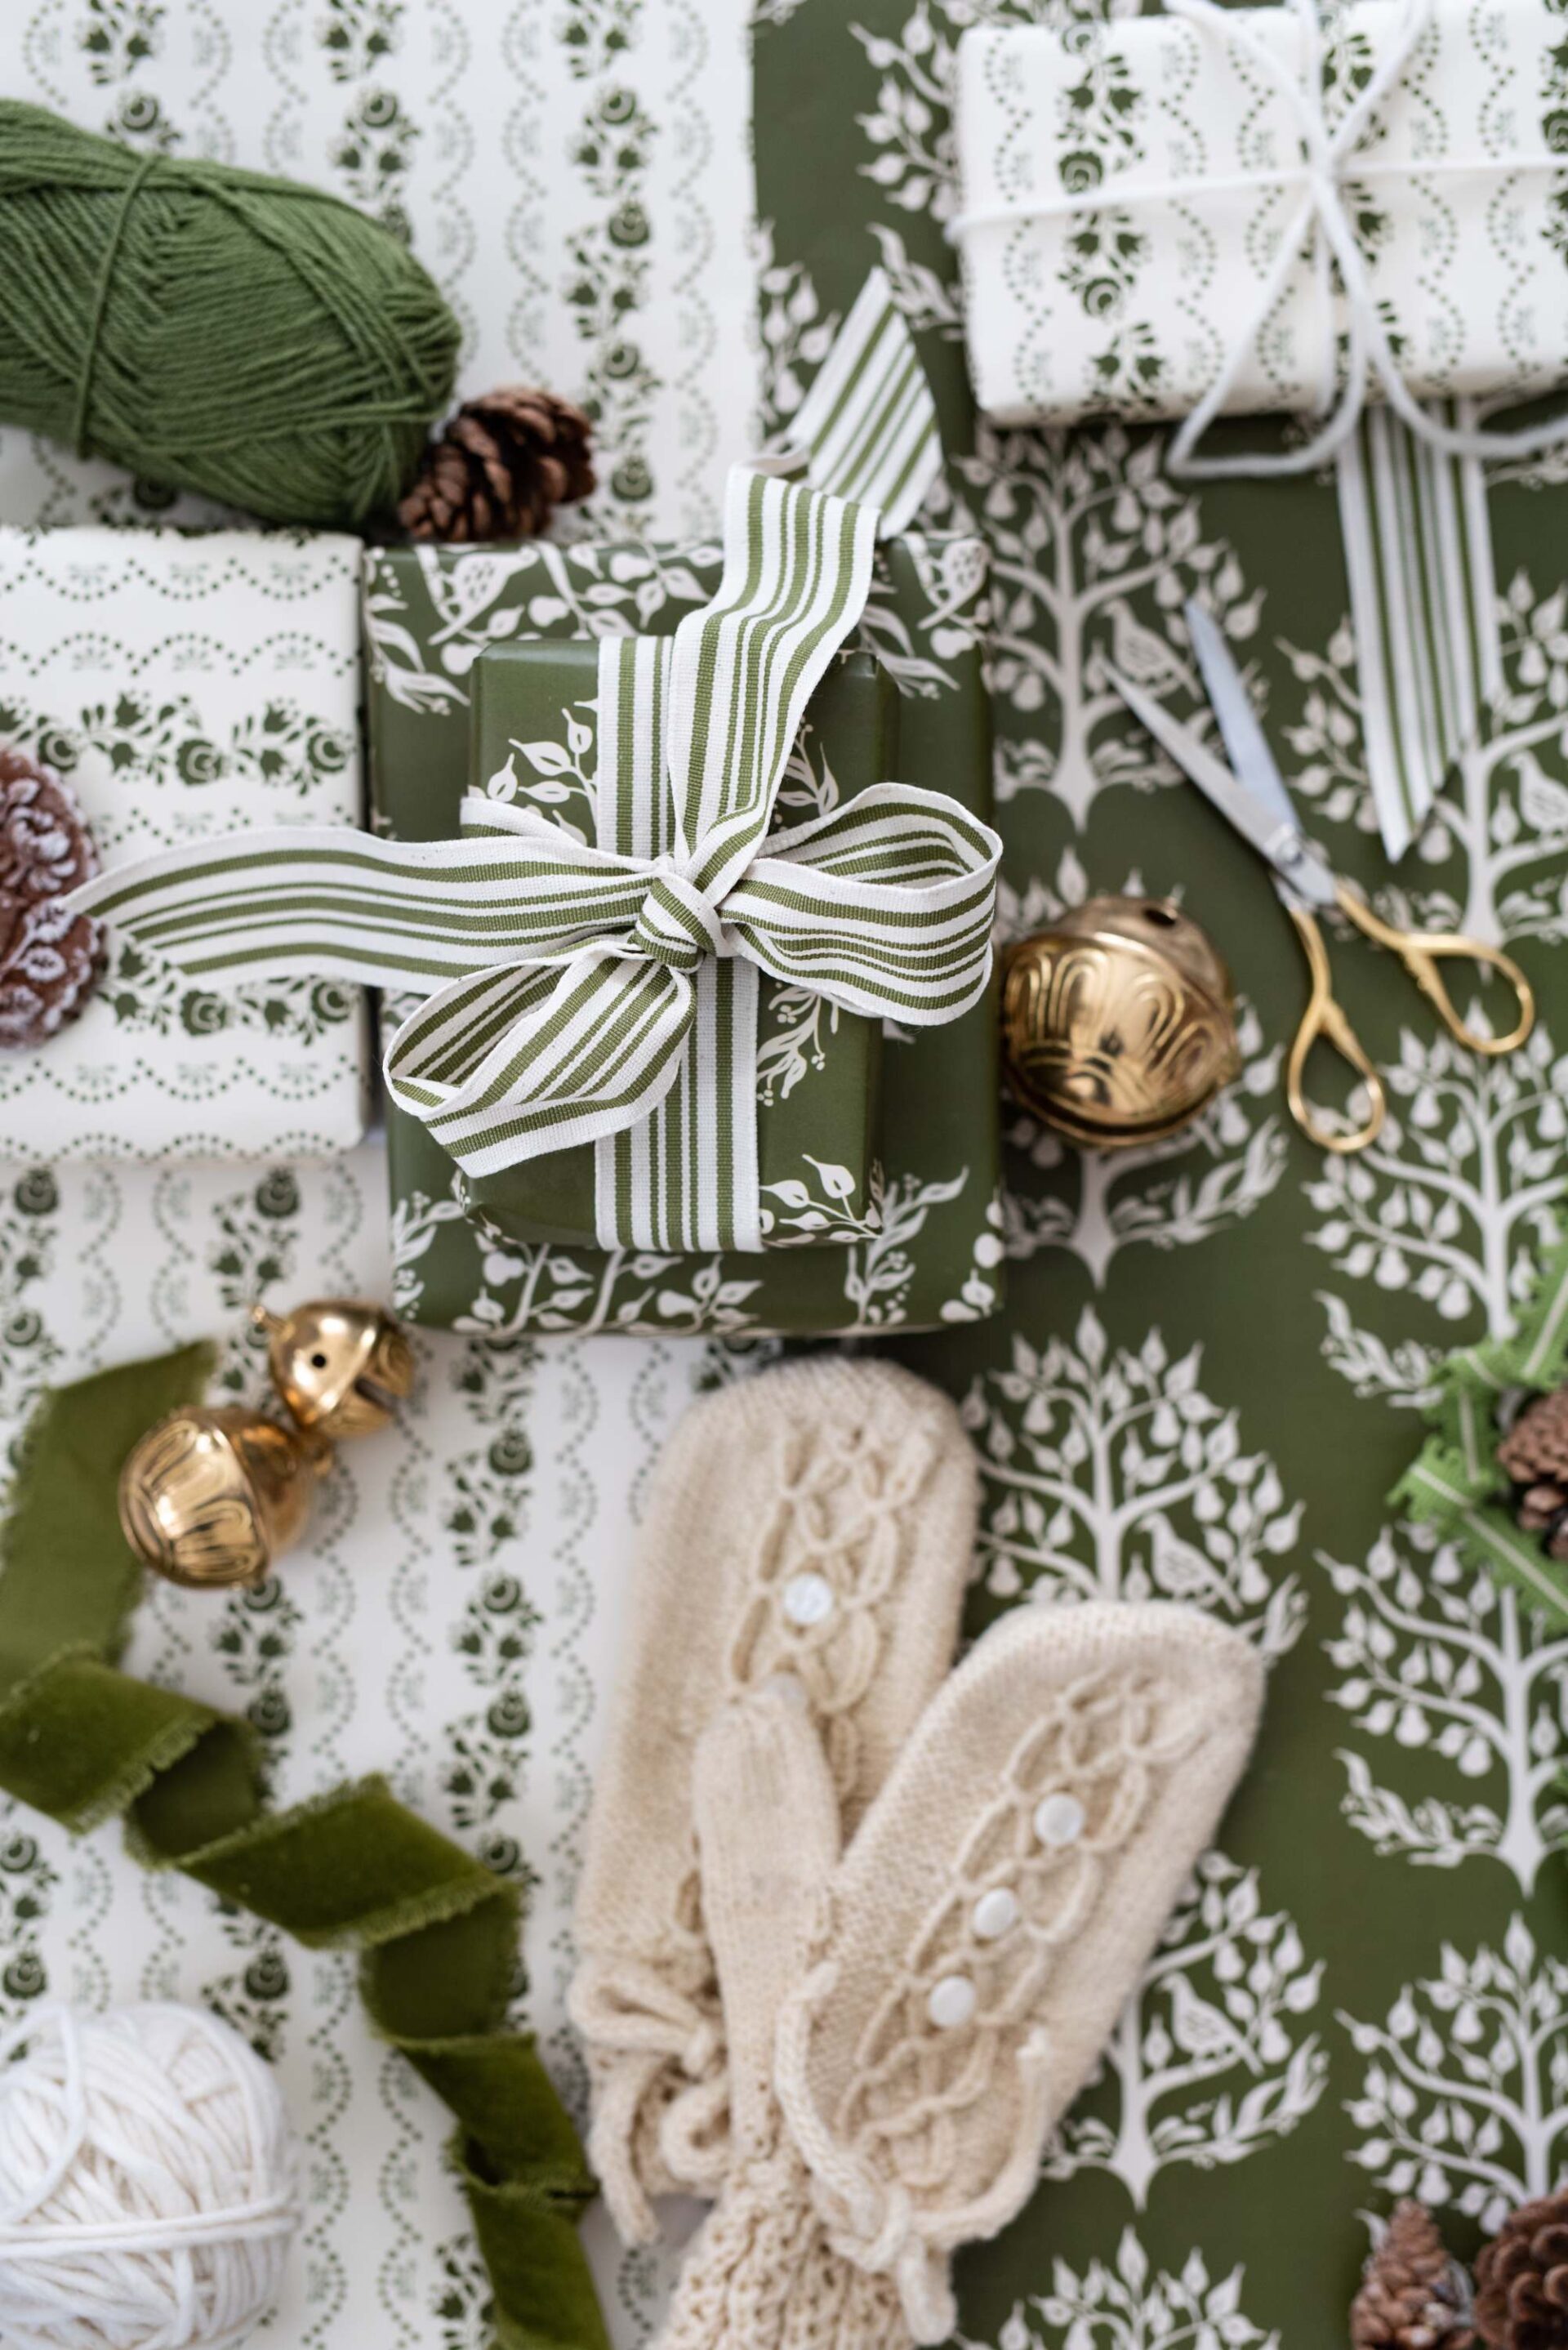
[935, 1257]
[535, 742]
[184, 686]
[1135, 202]
[1212, 1364]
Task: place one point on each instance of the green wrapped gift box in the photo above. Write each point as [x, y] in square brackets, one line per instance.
[430, 614]
[534, 742]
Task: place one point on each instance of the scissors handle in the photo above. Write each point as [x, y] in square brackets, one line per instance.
[1323, 1022]
[1421, 952]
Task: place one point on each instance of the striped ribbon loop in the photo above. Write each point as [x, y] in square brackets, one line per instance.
[608, 992]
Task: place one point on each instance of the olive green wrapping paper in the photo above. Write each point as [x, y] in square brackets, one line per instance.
[1215, 1354]
[436, 1931]
[535, 742]
[431, 615]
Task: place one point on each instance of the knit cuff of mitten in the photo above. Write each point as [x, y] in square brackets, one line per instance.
[763, 2273]
[813, 1524]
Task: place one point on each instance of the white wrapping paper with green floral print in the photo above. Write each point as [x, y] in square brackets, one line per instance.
[1126, 185]
[184, 685]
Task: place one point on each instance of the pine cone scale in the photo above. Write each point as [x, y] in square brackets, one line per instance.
[1535, 1449]
[1413, 2296]
[1534, 1454]
[1522, 2276]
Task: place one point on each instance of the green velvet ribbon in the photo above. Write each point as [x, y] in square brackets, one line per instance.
[436, 1931]
[1456, 1483]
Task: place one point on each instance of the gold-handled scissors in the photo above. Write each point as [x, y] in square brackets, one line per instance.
[1254, 799]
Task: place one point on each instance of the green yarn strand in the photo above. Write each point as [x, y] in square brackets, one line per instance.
[213, 329]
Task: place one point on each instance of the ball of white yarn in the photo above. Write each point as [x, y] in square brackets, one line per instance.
[148, 2182]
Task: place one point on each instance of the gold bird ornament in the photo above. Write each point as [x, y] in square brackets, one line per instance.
[213, 1494]
[1118, 1022]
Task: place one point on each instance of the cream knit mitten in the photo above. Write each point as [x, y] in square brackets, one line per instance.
[814, 1526]
[943, 1992]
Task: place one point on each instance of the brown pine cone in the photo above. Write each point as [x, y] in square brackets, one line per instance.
[500, 468]
[1521, 2278]
[48, 959]
[1543, 1510]
[1413, 2296]
[1535, 1449]
[1534, 1453]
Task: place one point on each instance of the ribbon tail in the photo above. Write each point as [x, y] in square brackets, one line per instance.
[867, 429]
[339, 904]
[508, 1064]
[685, 1179]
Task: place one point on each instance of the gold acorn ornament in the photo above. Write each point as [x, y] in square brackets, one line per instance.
[341, 1366]
[1118, 1022]
[213, 1494]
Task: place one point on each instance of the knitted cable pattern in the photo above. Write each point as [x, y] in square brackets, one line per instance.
[939, 1994]
[990, 1921]
[811, 1526]
[764, 2273]
[842, 1506]
[892, 2164]
[1102, 1745]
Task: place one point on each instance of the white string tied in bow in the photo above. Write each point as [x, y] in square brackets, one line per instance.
[1331, 164]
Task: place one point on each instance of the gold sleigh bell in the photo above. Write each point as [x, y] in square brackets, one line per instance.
[213, 1494]
[1117, 1024]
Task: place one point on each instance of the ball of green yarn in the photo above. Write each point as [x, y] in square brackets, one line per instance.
[212, 329]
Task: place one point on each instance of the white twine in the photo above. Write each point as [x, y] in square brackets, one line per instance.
[149, 2181]
[1321, 224]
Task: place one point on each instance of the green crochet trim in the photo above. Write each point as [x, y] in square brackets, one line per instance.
[1455, 1484]
[436, 1931]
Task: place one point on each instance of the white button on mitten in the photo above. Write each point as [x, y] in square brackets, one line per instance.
[940, 1995]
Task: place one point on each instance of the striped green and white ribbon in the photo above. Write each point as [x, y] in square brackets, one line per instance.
[1418, 549]
[677, 1173]
[867, 429]
[570, 990]
[1456, 1483]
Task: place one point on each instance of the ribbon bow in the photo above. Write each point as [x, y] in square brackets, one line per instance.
[569, 988]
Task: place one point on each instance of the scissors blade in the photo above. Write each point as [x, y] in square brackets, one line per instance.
[1280, 842]
[1240, 731]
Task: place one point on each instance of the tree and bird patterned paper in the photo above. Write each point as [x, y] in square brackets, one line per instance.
[1214, 1353]
[1209, 1367]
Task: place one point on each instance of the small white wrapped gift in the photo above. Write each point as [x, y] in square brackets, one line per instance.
[1220, 211]
[181, 686]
